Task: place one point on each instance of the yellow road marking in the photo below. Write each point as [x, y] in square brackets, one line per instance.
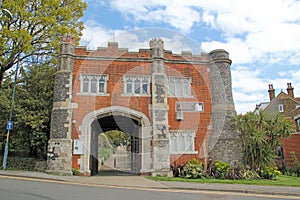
[153, 189]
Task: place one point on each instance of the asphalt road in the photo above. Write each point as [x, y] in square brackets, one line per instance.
[13, 188]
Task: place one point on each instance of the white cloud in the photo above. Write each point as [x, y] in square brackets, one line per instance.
[251, 29]
[246, 80]
[248, 97]
[255, 33]
[249, 88]
[180, 14]
[94, 35]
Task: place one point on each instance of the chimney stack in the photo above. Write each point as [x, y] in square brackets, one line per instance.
[290, 90]
[271, 92]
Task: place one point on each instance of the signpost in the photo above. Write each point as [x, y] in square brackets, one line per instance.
[9, 126]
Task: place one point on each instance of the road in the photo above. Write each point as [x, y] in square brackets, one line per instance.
[13, 188]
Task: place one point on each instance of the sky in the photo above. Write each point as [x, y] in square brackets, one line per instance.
[262, 37]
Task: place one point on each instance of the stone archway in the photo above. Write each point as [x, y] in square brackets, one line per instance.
[86, 134]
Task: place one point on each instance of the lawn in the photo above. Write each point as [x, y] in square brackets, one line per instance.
[281, 180]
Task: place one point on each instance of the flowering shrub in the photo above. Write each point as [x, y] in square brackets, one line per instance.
[269, 173]
[220, 169]
[193, 169]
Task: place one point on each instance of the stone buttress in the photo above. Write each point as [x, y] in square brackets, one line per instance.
[161, 136]
[59, 155]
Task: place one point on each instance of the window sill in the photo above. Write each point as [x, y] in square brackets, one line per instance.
[184, 152]
[296, 133]
[91, 94]
[180, 97]
[135, 95]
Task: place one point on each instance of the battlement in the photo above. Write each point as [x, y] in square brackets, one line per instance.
[112, 50]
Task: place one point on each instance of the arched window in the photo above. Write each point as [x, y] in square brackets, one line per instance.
[173, 143]
[182, 141]
[129, 86]
[171, 87]
[179, 87]
[189, 141]
[145, 86]
[137, 86]
[94, 85]
[85, 84]
[101, 85]
[298, 124]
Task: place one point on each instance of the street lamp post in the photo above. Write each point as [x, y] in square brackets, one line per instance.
[9, 126]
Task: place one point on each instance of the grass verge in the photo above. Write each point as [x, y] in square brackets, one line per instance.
[281, 180]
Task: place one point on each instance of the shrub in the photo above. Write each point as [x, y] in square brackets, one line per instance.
[220, 169]
[269, 173]
[177, 170]
[236, 172]
[250, 174]
[296, 165]
[20, 163]
[75, 171]
[193, 169]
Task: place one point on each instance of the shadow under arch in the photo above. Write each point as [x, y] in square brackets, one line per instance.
[123, 119]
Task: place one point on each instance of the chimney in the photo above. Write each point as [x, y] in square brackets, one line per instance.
[290, 90]
[271, 92]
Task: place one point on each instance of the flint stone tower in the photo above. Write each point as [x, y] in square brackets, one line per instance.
[224, 143]
[60, 143]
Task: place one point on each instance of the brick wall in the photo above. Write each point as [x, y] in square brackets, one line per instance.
[118, 62]
[292, 143]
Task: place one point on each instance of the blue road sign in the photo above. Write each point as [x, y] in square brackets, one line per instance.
[9, 125]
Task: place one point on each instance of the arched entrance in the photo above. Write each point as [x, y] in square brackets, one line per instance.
[135, 123]
[125, 156]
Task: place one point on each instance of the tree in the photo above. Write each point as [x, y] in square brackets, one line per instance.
[31, 111]
[34, 32]
[261, 134]
[116, 138]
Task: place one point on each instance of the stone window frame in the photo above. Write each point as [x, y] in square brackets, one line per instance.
[188, 146]
[280, 108]
[180, 87]
[99, 79]
[297, 120]
[139, 85]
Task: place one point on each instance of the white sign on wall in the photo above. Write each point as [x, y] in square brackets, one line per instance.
[189, 106]
[78, 147]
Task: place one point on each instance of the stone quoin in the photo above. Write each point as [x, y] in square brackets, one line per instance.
[174, 106]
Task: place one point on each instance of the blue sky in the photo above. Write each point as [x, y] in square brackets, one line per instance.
[262, 37]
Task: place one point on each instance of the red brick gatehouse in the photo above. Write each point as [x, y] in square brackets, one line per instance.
[175, 107]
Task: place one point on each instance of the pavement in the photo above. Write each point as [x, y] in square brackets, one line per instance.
[140, 182]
